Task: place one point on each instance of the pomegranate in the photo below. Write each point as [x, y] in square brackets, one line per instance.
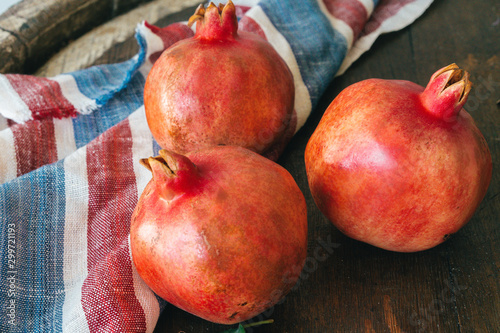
[398, 166]
[222, 86]
[220, 232]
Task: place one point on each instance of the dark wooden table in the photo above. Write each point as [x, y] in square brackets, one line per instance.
[348, 286]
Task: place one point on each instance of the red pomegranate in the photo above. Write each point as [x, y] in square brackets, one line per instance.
[399, 166]
[220, 232]
[220, 87]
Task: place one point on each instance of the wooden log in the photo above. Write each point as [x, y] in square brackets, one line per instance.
[114, 41]
[32, 30]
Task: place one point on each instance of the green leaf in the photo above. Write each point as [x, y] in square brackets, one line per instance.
[240, 329]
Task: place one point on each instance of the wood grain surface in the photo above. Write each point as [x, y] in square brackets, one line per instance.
[348, 286]
[32, 30]
[115, 39]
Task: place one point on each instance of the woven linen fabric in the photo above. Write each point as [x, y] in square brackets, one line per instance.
[69, 165]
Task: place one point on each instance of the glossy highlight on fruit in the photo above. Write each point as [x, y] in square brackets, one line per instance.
[398, 166]
[220, 87]
[220, 232]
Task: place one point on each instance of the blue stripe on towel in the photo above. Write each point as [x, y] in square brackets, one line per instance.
[119, 107]
[32, 211]
[318, 57]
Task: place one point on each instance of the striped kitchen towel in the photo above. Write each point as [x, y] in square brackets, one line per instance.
[69, 165]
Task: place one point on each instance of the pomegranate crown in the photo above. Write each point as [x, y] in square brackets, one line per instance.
[173, 174]
[447, 92]
[215, 22]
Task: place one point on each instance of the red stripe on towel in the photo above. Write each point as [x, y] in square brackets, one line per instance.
[42, 96]
[249, 25]
[108, 296]
[384, 10]
[169, 35]
[353, 13]
[35, 145]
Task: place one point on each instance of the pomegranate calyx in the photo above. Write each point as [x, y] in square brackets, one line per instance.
[447, 92]
[174, 174]
[215, 22]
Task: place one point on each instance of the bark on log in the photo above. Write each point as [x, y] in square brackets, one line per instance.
[114, 41]
[32, 30]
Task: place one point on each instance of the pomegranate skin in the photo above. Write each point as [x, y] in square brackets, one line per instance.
[220, 233]
[221, 86]
[397, 166]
